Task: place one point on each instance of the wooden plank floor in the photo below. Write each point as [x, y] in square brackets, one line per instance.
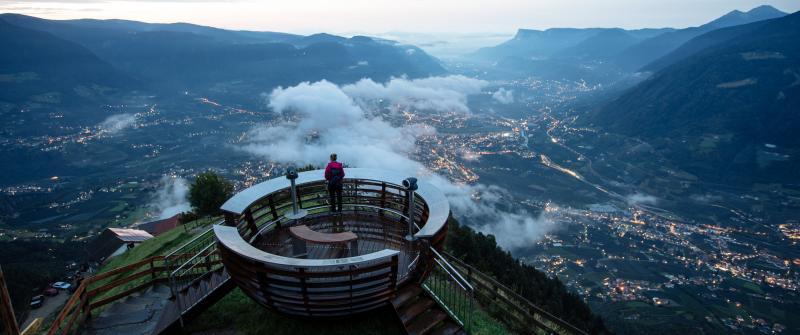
[374, 234]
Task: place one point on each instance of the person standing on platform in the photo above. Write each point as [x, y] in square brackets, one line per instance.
[334, 175]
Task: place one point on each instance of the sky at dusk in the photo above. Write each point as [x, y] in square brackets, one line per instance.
[378, 17]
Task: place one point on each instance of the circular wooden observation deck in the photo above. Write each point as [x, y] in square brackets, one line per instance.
[329, 264]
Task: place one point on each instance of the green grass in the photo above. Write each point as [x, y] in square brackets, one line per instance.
[159, 245]
[237, 312]
[483, 323]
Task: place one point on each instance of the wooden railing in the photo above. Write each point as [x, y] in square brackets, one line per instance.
[331, 286]
[6, 310]
[309, 287]
[102, 289]
[358, 195]
[363, 189]
[177, 268]
[517, 310]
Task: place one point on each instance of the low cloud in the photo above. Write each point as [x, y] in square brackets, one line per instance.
[488, 208]
[116, 123]
[504, 96]
[641, 199]
[171, 197]
[705, 198]
[442, 94]
[320, 118]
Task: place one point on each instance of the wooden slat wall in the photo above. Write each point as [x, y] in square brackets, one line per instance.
[330, 292]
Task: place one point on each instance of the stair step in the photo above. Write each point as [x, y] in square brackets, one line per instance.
[449, 328]
[405, 296]
[407, 314]
[426, 322]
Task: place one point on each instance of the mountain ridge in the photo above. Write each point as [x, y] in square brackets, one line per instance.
[42, 63]
[186, 56]
[604, 55]
[649, 50]
[718, 109]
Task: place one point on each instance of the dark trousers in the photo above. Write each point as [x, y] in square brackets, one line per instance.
[335, 193]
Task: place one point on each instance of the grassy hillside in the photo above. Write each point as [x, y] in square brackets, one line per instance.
[237, 312]
[726, 114]
[159, 245]
[482, 252]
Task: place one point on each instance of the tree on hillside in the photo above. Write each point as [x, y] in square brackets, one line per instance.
[482, 252]
[308, 167]
[208, 192]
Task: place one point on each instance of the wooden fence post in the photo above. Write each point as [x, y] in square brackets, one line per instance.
[6, 309]
[251, 224]
[86, 306]
[230, 219]
[393, 283]
[383, 198]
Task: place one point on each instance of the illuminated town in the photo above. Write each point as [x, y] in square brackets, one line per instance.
[606, 250]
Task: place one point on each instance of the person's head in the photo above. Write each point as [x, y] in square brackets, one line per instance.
[333, 157]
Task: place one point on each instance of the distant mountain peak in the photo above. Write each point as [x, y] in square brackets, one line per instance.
[766, 9]
[737, 17]
[325, 35]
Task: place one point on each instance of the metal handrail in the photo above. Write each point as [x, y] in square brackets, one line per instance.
[398, 213]
[264, 227]
[188, 269]
[413, 262]
[450, 273]
[194, 239]
[434, 203]
[558, 322]
[457, 274]
[457, 300]
[192, 246]
[198, 254]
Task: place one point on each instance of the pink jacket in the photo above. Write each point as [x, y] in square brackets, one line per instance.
[333, 165]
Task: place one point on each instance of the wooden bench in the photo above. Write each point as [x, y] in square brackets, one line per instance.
[305, 234]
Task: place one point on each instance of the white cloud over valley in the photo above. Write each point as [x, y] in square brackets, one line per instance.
[319, 118]
[116, 123]
[503, 96]
[171, 198]
[641, 199]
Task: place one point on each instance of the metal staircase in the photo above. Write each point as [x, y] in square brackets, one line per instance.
[196, 279]
[442, 303]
